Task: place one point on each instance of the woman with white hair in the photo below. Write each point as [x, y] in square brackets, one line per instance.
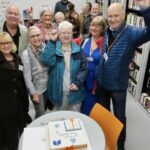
[58, 18]
[13, 94]
[35, 72]
[67, 69]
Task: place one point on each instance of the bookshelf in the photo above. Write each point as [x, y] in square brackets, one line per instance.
[140, 68]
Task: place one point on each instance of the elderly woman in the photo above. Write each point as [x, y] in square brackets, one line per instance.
[58, 18]
[35, 73]
[67, 69]
[45, 25]
[13, 94]
[91, 48]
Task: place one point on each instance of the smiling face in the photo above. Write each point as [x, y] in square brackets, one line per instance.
[65, 30]
[59, 17]
[6, 43]
[116, 15]
[95, 10]
[35, 37]
[46, 17]
[65, 35]
[97, 26]
[12, 15]
[96, 30]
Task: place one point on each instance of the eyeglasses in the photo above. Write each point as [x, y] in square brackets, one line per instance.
[66, 33]
[35, 36]
[5, 43]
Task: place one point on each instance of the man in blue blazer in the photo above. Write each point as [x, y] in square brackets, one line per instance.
[120, 43]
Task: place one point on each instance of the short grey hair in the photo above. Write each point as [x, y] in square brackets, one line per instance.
[13, 5]
[32, 28]
[65, 25]
[60, 14]
[44, 10]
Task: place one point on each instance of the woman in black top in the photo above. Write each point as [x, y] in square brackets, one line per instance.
[13, 94]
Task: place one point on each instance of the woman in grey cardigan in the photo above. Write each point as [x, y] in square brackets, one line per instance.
[35, 73]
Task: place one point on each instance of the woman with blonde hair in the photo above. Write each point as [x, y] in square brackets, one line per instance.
[91, 48]
[13, 94]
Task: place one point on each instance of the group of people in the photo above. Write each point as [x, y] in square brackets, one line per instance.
[47, 63]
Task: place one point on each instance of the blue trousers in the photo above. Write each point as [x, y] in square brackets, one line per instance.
[119, 106]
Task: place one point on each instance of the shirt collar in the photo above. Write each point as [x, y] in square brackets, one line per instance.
[119, 29]
[6, 30]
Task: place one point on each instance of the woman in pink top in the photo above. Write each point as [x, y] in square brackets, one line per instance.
[45, 25]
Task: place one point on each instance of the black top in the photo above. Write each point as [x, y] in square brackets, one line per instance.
[61, 6]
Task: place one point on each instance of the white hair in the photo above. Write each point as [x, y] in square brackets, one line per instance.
[32, 28]
[65, 25]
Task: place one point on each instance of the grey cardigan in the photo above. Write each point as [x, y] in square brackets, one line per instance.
[35, 75]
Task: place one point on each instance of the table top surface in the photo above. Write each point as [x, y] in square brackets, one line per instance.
[95, 133]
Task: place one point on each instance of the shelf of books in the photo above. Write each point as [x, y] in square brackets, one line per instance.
[138, 68]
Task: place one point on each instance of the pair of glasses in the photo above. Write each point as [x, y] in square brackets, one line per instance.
[66, 33]
[35, 36]
[5, 43]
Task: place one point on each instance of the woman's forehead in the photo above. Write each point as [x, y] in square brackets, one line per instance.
[65, 29]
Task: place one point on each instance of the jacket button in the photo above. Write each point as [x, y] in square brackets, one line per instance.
[15, 91]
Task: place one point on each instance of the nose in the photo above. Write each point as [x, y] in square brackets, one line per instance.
[6, 45]
[35, 37]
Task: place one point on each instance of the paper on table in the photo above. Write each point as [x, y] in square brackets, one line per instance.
[35, 138]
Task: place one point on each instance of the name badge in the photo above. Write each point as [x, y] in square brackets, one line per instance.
[105, 56]
[90, 58]
[20, 67]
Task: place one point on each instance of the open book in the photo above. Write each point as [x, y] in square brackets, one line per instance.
[67, 134]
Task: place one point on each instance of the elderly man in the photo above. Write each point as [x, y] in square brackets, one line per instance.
[120, 43]
[17, 31]
[95, 10]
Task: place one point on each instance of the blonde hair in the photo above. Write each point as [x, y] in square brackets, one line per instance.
[5, 37]
[99, 20]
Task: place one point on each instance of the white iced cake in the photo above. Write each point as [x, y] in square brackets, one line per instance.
[67, 134]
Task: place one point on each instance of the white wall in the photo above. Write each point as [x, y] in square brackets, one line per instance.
[37, 5]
